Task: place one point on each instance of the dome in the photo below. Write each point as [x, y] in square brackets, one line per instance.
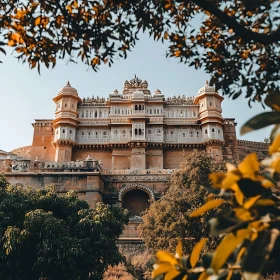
[138, 94]
[206, 89]
[68, 90]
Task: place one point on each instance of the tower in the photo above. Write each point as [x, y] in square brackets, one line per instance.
[65, 122]
[210, 117]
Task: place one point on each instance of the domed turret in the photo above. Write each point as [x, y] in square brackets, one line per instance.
[68, 90]
[206, 89]
[65, 122]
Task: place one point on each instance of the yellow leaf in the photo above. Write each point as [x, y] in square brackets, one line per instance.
[206, 207]
[249, 166]
[11, 43]
[196, 252]
[240, 254]
[161, 268]
[264, 202]
[164, 256]
[239, 196]
[37, 21]
[251, 201]
[69, 8]
[171, 274]
[226, 247]
[276, 164]
[75, 4]
[275, 146]
[179, 250]
[203, 276]
[167, 6]
[185, 277]
[95, 60]
[17, 38]
[230, 179]
[242, 214]
[217, 179]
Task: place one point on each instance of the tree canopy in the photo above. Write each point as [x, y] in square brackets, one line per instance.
[237, 41]
[168, 218]
[45, 235]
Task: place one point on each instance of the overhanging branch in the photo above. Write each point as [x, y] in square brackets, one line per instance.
[240, 30]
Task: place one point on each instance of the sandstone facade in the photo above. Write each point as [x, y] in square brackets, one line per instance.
[122, 150]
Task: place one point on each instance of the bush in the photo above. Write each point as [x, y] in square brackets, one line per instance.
[49, 236]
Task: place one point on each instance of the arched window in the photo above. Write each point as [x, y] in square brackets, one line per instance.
[136, 131]
[119, 111]
[213, 130]
[96, 134]
[95, 114]
[219, 131]
[194, 114]
[105, 133]
[139, 131]
[116, 133]
[70, 131]
[149, 131]
[197, 133]
[90, 114]
[171, 132]
[158, 111]
[136, 107]
[63, 130]
[150, 111]
[205, 131]
[123, 133]
[100, 114]
[83, 114]
[158, 131]
[86, 114]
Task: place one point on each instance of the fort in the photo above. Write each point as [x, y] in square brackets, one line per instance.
[122, 150]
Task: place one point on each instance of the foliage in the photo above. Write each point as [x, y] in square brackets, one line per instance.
[45, 235]
[251, 236]
[168, 218]
[137, 265]
[237, 41]
[3, 181]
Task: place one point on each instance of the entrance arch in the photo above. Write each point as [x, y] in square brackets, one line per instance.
[136, 198]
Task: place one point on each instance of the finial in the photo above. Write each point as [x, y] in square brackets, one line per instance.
[206, 83]
[68, 84]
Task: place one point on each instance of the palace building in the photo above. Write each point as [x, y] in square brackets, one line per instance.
[122, 150]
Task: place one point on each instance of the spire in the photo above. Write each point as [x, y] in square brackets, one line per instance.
[68, 84]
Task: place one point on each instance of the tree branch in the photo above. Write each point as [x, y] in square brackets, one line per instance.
[240, 30]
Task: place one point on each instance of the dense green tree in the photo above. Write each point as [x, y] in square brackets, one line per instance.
[45, 235]
[237, 41]
[168, 218]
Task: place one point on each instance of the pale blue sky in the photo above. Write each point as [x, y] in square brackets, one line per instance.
[25, 95]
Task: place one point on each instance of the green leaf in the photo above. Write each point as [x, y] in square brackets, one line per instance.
[260, 121]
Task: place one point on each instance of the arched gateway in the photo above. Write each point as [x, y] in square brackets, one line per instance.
[136, 198]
